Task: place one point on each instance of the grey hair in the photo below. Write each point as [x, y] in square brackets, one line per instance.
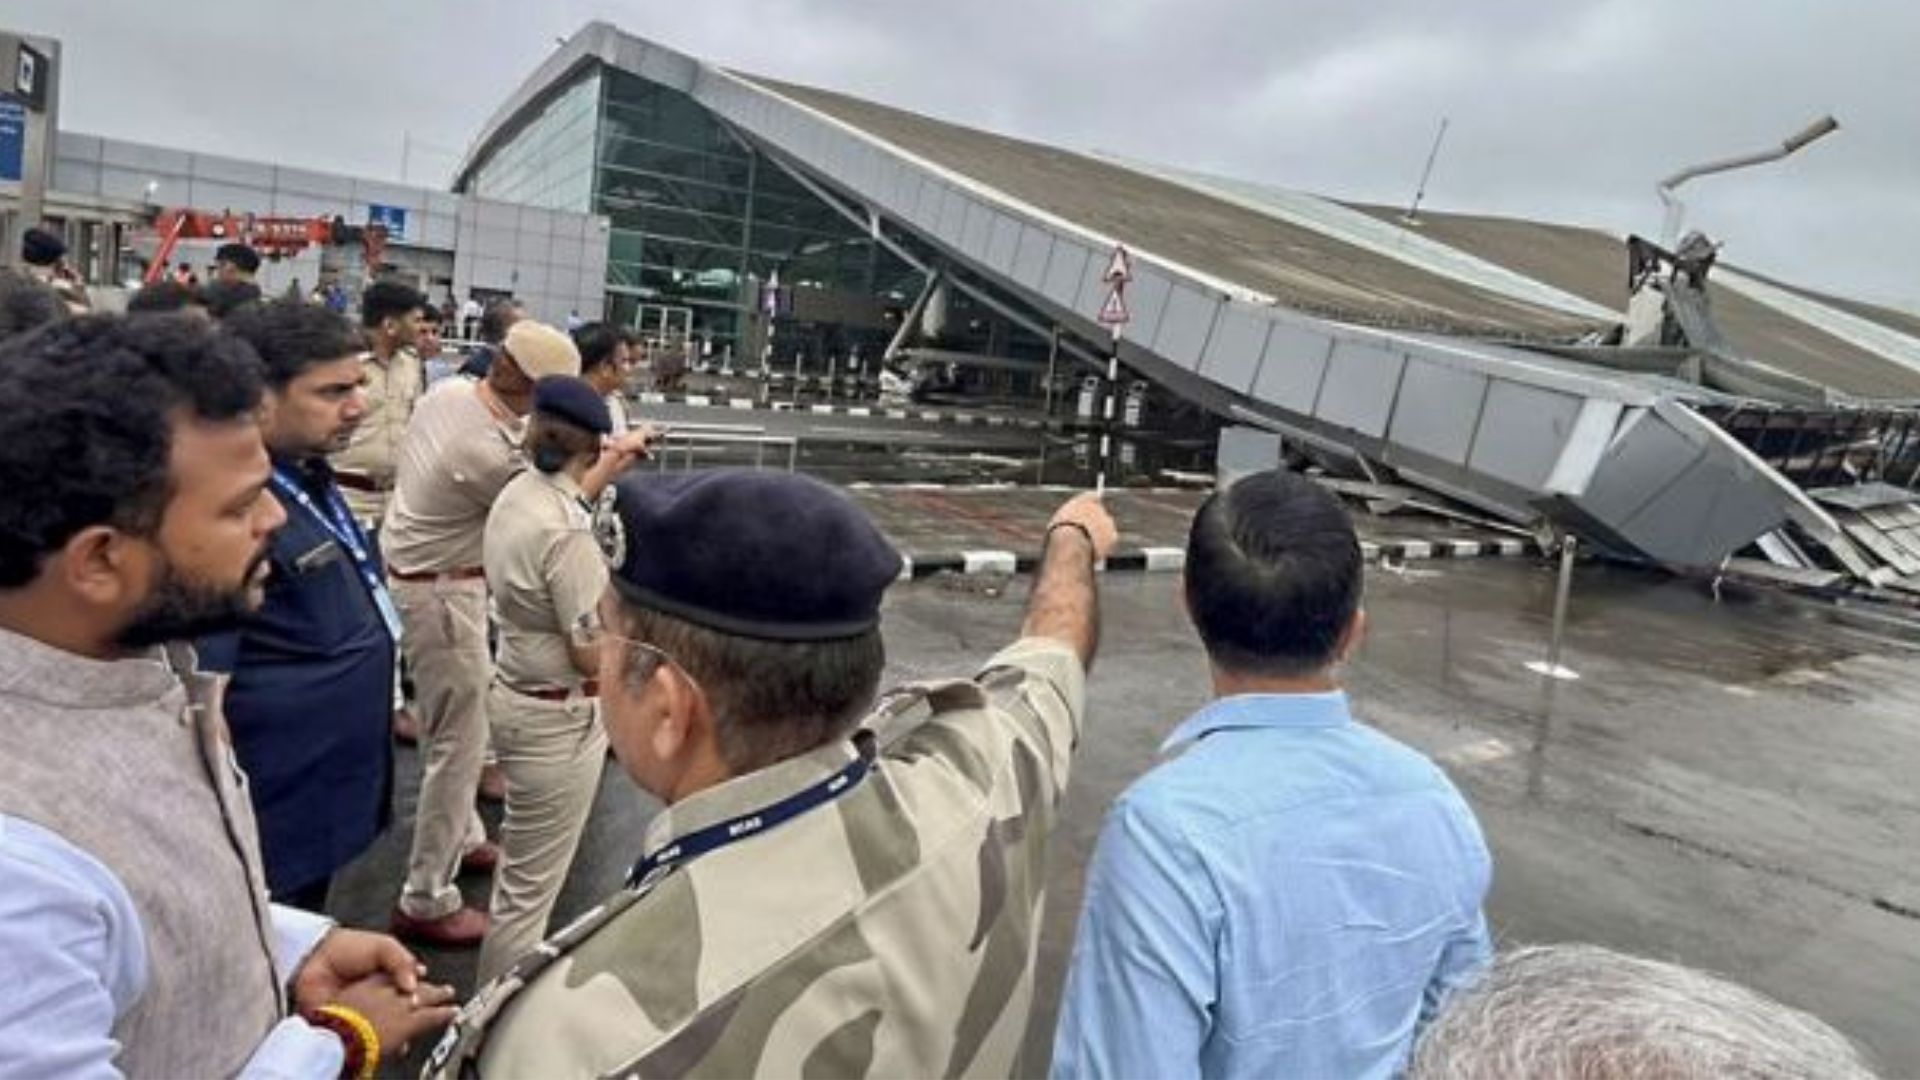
[1581, 1012]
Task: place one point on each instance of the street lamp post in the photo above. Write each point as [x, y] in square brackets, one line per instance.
[1676, 211]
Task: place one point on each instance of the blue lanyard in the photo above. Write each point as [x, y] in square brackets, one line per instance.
[338, 521]
[752, 823]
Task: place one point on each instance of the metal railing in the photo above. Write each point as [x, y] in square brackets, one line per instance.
[689, 442]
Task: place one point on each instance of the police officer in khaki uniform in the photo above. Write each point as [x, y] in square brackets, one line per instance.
[365, 469]
[836, 888]
[461, 448]
[546, 574]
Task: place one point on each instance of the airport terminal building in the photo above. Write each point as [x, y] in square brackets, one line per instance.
[1550, 376]
[1555, 378]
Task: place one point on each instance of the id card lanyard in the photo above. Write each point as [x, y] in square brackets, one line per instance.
[339, 524]
[733, 830]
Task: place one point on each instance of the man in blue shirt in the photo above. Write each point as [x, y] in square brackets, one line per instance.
[310, 697]
[1295, 893]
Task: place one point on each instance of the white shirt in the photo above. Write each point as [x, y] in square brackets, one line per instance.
[76, 959]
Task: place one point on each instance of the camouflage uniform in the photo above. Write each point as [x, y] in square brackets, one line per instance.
[887, 931]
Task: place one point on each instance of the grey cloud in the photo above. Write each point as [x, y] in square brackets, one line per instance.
[1569, 110]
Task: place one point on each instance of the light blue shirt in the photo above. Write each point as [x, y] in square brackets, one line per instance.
[1292, 896]
[75, 959]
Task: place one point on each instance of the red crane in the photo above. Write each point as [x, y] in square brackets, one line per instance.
[272, 237]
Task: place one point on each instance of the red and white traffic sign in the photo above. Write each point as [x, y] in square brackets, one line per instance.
[1119, 266]
[1114, 311]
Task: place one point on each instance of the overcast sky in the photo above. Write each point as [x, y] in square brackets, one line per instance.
[1568, 110]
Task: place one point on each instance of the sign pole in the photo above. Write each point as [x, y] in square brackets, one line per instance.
[1113, 314]
[29, 81]
[1106, 412]
[1551, 667]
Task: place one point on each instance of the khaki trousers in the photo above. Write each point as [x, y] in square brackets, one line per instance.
[445, 642]
[552, 753]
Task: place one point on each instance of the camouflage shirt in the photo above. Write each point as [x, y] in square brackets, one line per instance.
[888, 931]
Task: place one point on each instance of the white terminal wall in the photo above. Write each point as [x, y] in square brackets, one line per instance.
[553, 261]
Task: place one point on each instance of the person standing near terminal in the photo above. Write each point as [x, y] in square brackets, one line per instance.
[436, 362]
[545, 573]
[136, 933]
[469, 317]
[460, 450]
[1296, 893]
[45, 256]
[494, 324]
[310, 691]
[235, 263]
[836, 887]
[389, 310]
[604, 363]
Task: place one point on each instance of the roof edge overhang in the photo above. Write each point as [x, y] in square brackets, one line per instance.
[598, 42]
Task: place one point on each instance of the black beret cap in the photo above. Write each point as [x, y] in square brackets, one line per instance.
[41, 248]
[573, 400]
[774, 556]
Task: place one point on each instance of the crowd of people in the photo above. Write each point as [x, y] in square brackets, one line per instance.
[245, 548]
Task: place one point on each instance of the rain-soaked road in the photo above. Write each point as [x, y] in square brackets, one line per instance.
[1730, 785]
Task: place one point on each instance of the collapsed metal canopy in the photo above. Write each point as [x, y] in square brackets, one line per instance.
[1277, 318]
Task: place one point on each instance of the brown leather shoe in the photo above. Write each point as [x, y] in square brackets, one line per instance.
[406, 727]
[463, 929]
[493, 784]
[481, 860]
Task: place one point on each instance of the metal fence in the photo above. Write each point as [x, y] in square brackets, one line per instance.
[719, 443]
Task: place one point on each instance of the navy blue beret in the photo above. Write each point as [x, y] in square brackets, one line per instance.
[41, 248]
[573, 400]
[773, 556]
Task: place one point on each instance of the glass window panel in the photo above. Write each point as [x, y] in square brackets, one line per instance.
[550, 161]
[620, 152]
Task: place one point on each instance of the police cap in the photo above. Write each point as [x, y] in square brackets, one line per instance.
[773, 556]
[571, 399]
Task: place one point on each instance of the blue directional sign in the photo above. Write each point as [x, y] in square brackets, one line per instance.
[393, 217]
[13, 138]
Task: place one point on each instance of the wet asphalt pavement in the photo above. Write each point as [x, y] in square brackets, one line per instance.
[1729, 784]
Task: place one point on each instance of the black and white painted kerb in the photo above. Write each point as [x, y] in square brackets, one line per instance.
[1170, 559]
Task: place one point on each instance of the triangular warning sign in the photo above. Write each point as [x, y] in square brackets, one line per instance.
[1114, 311]
[1119, 267]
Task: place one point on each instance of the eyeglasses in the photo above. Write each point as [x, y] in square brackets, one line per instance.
[587, 633]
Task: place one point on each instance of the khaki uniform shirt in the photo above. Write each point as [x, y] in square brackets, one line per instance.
[456, 458]
[887, 931]
[373, 454]
[545, 571]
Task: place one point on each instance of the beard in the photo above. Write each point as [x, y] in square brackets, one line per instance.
[180, 610]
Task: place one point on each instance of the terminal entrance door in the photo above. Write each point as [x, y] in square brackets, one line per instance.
[666, 341]
[665, 325]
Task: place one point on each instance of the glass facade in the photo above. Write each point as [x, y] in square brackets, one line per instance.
[702, 222]
[550, 162]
